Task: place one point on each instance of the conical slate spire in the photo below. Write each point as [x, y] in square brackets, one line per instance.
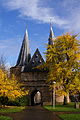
[51, 36]
[24, 55]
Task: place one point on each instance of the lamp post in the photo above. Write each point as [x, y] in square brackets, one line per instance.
[53, 95]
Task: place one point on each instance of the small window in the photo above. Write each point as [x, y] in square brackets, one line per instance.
[40, 61]
[33, 61]
[36, 55]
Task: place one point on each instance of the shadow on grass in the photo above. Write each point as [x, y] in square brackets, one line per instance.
[62, 108]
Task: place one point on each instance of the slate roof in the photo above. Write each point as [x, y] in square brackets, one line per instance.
[24, 55]
[34, 62]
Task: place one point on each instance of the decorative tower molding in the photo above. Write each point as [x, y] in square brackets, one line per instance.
[24, 55]
[51, 36]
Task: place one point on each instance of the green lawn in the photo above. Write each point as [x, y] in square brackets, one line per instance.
[5, 118]
[70, 116]
[11, 109]
[69, 107]
[66, 108]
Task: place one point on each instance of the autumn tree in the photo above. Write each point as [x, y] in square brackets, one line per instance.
[10, 87]
[63, 63]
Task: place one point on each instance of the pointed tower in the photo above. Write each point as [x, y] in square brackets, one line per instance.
[24, 55]
[51, 36]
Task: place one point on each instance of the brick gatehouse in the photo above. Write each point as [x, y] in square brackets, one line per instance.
[31, 77]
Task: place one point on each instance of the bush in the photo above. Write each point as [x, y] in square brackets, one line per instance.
[12, 103]
[20, 101]
[3, 100]
[23, 101]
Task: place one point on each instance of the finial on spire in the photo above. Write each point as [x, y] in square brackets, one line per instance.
[26, 33]
[50, 22]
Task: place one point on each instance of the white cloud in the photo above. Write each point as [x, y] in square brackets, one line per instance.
[64, 13]
[74, 23]
[10, 49]
[33, 10]
[72, 8]
[2, 46]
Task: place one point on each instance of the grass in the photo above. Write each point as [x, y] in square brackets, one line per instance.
[5, 118]
[70, 116]
[62, 108]
[11, 109]
[65, 108]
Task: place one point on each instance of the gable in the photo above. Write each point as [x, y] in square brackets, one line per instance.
[34, 62]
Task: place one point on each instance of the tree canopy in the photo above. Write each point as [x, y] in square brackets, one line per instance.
[63, 63]
[10, 87]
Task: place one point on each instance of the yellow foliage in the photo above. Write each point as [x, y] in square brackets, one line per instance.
[10, 87]
[63, 63]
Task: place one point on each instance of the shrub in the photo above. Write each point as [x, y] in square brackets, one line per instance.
[23, 101]
[3, 100]
[12, 103]
[20, 101]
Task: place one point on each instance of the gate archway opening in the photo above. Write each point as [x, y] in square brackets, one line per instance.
[36, 98]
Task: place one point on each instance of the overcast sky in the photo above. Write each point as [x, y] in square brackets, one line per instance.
[35, 15]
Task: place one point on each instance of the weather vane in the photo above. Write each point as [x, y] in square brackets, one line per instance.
[50, 21]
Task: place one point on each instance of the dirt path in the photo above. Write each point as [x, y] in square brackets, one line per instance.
[34, 113]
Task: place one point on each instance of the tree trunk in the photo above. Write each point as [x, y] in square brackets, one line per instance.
[65, 100]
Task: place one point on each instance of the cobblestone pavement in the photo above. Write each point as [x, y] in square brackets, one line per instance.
[34, 113]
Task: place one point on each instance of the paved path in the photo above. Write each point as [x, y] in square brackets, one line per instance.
[34, 113]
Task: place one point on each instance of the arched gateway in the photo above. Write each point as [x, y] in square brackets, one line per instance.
[33, 79]
[36, 98]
